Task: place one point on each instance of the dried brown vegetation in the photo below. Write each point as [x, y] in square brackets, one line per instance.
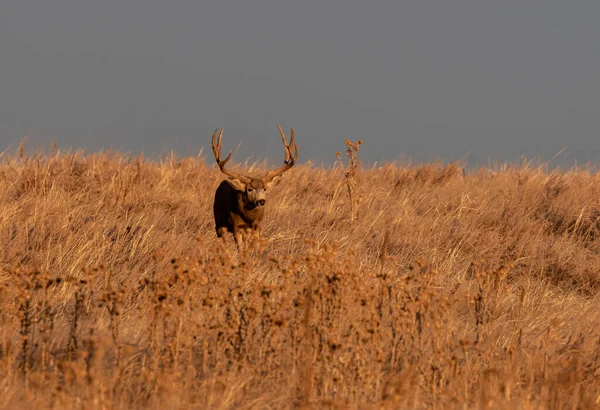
[449, 290]
[352, 149]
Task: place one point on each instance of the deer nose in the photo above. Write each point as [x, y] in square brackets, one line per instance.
[262, 202]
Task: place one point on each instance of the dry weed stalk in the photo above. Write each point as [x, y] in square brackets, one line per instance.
[352, 149]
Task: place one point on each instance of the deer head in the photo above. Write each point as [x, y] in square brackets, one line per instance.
[254, 189]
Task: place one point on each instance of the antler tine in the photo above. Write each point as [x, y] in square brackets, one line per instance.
[288, 154]
[289, 159]
[221, 163]
[217, 148]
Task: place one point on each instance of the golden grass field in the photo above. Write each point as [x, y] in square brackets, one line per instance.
[448, 290]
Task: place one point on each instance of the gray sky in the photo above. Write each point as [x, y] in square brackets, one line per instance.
[415, 79]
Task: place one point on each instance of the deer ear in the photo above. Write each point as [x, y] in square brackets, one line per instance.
[237, 184]
[273, 182]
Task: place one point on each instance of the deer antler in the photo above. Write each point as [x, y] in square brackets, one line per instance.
[217, 151]
[289, 159]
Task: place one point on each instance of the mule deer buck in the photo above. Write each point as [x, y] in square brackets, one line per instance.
[240, 199]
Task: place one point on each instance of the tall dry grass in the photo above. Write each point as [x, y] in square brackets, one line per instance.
[448, 290]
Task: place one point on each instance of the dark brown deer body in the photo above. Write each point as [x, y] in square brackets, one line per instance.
[240, 200]
[235, 212]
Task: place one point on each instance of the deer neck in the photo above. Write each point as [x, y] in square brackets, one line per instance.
[250, 213]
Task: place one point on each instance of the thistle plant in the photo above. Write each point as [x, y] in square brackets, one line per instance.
[352, 149]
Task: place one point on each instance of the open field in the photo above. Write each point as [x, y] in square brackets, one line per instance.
[115, 293]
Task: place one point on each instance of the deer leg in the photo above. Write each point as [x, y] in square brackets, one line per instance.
[239, 239]
[256, 231]
[249, 236]
[221, 232]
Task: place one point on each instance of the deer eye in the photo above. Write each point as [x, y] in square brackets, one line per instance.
[249, 189]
